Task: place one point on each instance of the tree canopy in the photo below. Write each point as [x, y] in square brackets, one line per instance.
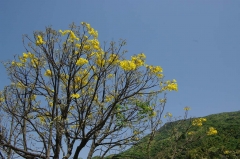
[67, 92]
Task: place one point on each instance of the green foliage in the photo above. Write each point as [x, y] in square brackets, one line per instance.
[226, 144]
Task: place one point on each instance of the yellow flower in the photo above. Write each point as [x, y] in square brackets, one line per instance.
[42, 119]
[190, 132]
[186, 108]
[75, 95]
[136, 139]
[77, 79]
[86, 47]
[73, 36]
[71, 107]
[30, 55]
[74, 126]
[212, 131]
[108, 98]
[14, 63]
[40, 40]
[19, 64]
[171, 86]
[1, 99]
[198, 121]
[22, 59]
[155, 69]
[33, 97]
[137, 60]
[34, 62]
[226, 152]
[81, 61]
[142, 56]
[100, 62]
[64, 32]
[25, 55]
[153, 114]
[113, 59]
[50, 104]
[20, 85]
[110, 75]
[78, 45]
[163, 100]
[91, 31]
[48, 73]
[127, 65]
[159, 75]
[168, 115]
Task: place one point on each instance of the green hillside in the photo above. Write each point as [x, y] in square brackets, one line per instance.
[173, 140]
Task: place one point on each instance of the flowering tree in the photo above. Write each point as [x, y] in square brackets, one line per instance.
[69, 92]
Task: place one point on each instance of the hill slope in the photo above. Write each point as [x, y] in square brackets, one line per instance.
[173, 140]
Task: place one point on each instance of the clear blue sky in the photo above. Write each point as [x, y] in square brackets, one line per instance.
[196, 42]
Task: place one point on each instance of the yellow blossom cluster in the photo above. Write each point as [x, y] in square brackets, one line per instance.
[82, 77]
[42, 119]
[133, 64]
[74, 126]
[139, 59]
[48, 73]
[87, 47]
[113, 59]
[191, 133]
[198, 121]
[128, 65]
[72, 36]
[212, 131]
[23, 59]
[78, 46]
[91, 31]
[40, 40]
[81, 61]
[33, 97]
[108, 98]
[110, 75]
[155, 69]
[153, 114]
[186, 108]
[1, 99]
[168, 115]
[100, 61]
[20, 85]
[94, 43]
[34, 62]
[14, 63]
[64, 32]
[75, 95]
[170, 85]
[226, 152]
[64, 77]
[77, 79]
[50, 104]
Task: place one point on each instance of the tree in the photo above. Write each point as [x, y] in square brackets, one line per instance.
[68, 92]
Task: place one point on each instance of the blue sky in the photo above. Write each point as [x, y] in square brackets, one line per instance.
[196, 42]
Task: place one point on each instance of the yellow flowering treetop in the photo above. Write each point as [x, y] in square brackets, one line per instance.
[67, 90]
[198, 121]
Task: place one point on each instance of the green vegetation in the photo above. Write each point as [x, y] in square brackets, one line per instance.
[173, 140]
